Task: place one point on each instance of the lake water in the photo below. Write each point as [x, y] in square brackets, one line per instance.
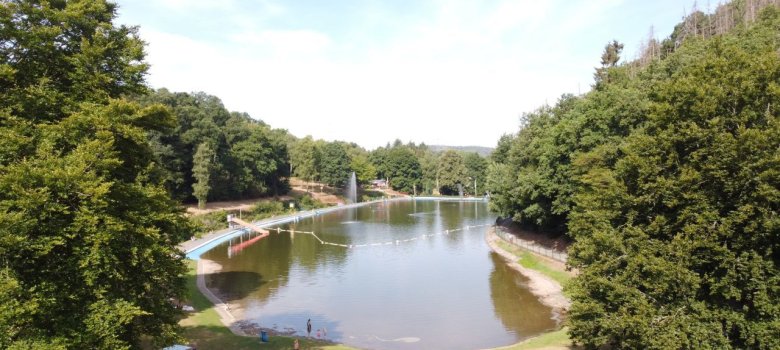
[448, 291]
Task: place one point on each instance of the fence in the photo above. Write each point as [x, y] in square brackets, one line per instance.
[531, 246]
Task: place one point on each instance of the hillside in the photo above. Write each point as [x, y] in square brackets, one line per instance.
[482, 151]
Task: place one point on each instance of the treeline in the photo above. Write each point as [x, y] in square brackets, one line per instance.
[213, 154]
[667, 177]
[408, 168]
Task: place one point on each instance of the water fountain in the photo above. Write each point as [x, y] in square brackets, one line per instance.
[351, 192]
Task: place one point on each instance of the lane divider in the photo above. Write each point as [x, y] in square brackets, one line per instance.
[376, 244]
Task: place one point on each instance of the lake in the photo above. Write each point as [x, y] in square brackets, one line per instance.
[417, 287]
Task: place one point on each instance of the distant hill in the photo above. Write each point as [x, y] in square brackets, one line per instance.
[483, 151]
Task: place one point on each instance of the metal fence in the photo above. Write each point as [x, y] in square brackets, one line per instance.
[531, 246]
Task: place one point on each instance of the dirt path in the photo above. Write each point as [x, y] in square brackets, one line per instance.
[546, 289]
[243, 204]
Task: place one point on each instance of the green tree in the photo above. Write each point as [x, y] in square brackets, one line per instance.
[501, 153]
[251, 158]
[677, 236]
[87, 234]
[609, 59]
[57, 55]
[201, 170]
[500, 184]
[334, 165]
[87, 238]
[403, 169]
[305, 158]
[379, 158]
[476, 170]
[364, 170]
[452, 173]
[429, 162]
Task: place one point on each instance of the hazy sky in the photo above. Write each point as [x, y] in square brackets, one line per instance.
[439, 72]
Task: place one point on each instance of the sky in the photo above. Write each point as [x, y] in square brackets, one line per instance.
[440, 72]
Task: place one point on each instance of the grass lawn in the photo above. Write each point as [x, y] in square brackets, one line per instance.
[556, 339]
[204, 330]
[530, 261]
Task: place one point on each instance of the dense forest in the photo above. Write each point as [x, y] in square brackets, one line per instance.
[667, 177]
[212, 154]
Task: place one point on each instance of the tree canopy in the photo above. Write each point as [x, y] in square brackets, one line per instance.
[666, 177]
[87, 233]
[249, 158]
[335, 164]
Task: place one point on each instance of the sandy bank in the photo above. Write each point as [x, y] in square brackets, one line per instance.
[546, 289]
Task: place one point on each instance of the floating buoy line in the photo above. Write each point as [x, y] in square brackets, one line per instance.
[376, 244]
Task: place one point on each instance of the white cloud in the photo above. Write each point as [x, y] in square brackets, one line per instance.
[462, 75]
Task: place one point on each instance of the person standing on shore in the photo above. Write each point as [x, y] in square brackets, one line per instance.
[308, 328]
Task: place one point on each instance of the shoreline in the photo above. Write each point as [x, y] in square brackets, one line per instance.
[205, 266]
[549, 291]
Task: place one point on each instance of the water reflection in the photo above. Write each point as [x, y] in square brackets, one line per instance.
[445, 291]
[513, 303]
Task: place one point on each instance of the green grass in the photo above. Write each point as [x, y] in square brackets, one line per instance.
[530, 261]
[557, 338]
[204, 330]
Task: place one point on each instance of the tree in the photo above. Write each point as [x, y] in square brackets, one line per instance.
[429, 162]
[501, 153]
[403, 169]
[476, 170]
[251, 158]
[89, 241]
[609, 59]
[87, 234]
[305, 158]
[334, 166]
[451, 173]
[60, 54]
[201, 170]
[364, 170]
[675, 228]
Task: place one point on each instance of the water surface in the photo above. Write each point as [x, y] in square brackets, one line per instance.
[448, 291]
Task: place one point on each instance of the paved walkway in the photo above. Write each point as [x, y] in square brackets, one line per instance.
[187, 246]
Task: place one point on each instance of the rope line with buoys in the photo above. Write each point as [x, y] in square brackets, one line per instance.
[376, 244]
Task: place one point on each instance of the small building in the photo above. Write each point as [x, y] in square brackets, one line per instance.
[379, 183]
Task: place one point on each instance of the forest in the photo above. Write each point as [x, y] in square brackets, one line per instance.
[666, 176]
[212, 154]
